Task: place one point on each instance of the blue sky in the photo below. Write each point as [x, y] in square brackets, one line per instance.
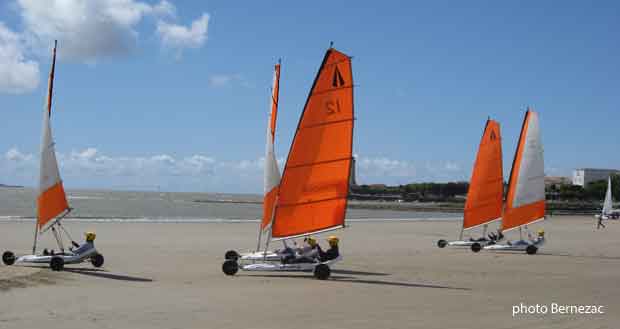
[175, 94]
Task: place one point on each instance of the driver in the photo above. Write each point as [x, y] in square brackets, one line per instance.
[332, 252]
[89, 244]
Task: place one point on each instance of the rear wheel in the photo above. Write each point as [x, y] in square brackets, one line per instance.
[8, 258]
[476, 247]
[531, 249]
[230, 267]
[57, 263]
[231, 255]
[322, 272]
[97, 260]
[442, 243]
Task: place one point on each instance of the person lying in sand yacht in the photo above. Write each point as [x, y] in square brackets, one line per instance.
[332, 252]
[80, 249]
[309, 253]
[539, 239]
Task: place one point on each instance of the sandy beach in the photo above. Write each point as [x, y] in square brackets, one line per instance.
[393, 276]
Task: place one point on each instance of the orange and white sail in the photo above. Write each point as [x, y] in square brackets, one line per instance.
[313, 191]
[272, 172]
[51, 200]
[486, 187]
[525, 202]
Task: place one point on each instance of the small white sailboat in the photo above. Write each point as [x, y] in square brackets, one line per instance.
[313, 191]
[52, 205]
[486, 189]
[525, 201]
[271, 178]
[608, 212]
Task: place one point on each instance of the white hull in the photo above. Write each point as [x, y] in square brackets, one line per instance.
[260, 256]
[300, 267]
[521, 245]
[68, 258]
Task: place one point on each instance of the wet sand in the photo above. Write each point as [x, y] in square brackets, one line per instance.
[392, 276]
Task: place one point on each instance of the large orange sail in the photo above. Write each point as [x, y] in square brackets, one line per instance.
[51, 200]
[525, 202]
[272, 172]
[486, 188]
[315, 183]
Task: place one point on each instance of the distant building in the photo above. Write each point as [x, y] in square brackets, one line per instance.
[584, 176]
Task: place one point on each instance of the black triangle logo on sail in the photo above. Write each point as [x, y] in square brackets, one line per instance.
[337, 80]
[493, 137]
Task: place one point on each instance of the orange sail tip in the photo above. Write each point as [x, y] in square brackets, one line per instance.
[486, 188]
[315, 183]
[50, 204]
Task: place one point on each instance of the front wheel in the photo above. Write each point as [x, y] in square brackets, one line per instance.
[97, 260]
[531, 249]
[57, 263]
[230, 267]
[322, 272]
[442, 243]
[476, 247]
[231, 255]
[8, 258]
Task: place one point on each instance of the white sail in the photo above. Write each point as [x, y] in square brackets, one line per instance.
[530, 186]
[607, 205]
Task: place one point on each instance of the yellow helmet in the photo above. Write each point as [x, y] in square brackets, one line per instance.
[90, 236]
[333, 240]
[541, 232]
[311, 241]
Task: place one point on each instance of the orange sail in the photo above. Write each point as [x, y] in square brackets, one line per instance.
[315, 183]
[525, 202]
[272, 172]
[51, 200]
[486, 188]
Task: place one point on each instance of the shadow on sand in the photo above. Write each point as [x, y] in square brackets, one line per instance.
[103, 274]
[353, 279]
[579, 256]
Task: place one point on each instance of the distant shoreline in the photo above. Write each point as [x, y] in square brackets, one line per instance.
[10, 186]
[443, 207]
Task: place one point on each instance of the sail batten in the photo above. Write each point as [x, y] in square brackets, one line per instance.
[525, 201]
[485, 193]
[312, 196]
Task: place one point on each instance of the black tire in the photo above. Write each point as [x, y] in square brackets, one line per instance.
[230, 267]
[531, 249]
[97, 260]
[8, 258]
[57, 263]
[231, 255]
[442, 243]
[322, 272]
[476, 247]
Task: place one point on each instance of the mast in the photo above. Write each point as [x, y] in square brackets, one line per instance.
[51, 200]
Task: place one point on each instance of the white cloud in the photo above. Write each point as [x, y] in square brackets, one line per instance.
[391, 171]
[90, 29]
[91, 168]
[224, 80]
[179, 37]
[17, 74]
[15, 155]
